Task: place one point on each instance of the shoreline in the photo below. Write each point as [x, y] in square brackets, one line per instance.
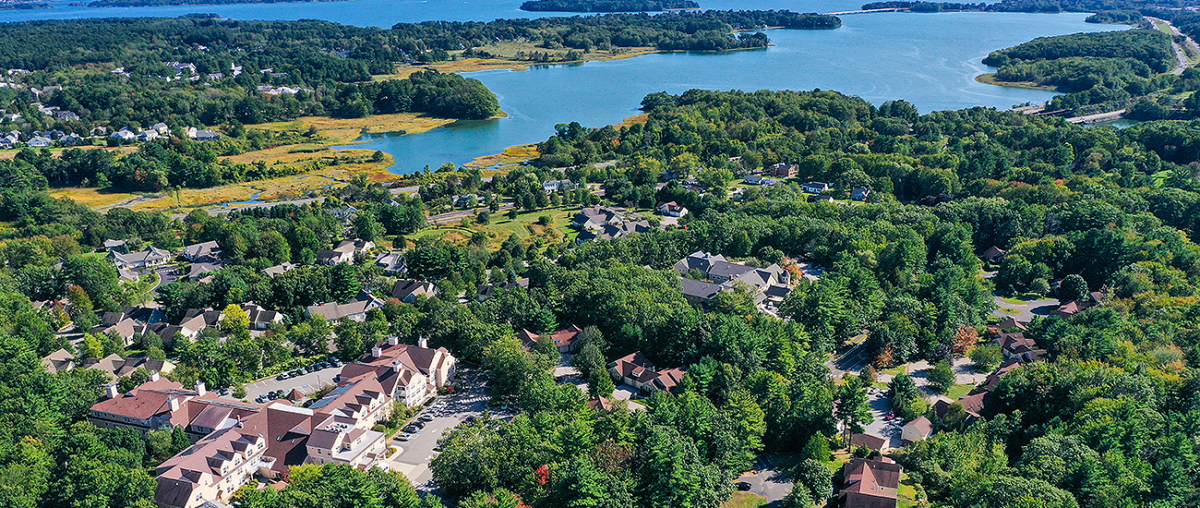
[990, 79]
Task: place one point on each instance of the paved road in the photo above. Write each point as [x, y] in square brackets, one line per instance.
[416, 454]
[313, 381]
[1025, 311]
[768, 482]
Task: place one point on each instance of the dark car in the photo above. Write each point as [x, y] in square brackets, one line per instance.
[420, 424]
[743, 486]
[412, 429]
[281, 377]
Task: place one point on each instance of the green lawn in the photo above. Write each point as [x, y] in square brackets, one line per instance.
[1014, 301]
[1007, 310]
[907, 493]
[744, 500]
[957, 391]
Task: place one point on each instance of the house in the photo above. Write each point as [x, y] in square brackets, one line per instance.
[39, 142]
[117, 367]
[609, 231]
[699, 292]
[161, 129]
[815, 187]
[754, 180]
[487, 291]
[1008, 324]
[148, 314]
[1069, 309]
[1017, 346]
[638, 372]
[59, 361]
[817, 198]
[354, 310]
[212, 469]
[344, 252]
[408, 290]
[438, 365]
[870, 484]
[917, 430]
[595, 217]
[279, 269]
[145, 258]
[599, 403]
[261, 318]
[124, 136]
[147, 136]
[200, 251]
[203, 134]
[993, 254]
[672, 209]
[70, 140]
[551, 186]
[869, 442]
[769, 284]
[781, 170]
[198, 271]
[66, 116]
[860, 194]
[564, 339]
[392, 263]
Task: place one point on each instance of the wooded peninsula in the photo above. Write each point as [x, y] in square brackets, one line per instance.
[608, 5]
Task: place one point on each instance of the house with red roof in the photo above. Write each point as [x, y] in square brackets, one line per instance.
[870, 484]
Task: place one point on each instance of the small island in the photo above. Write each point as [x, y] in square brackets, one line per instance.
[607, 5]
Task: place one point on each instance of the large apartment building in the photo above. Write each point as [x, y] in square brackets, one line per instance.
[234, 441]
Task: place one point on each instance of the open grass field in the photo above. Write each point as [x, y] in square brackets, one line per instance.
[512, 155]
[525, 226]
[340, 131]
[958, 391]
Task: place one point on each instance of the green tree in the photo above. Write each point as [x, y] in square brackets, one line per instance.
[986, 357]
[941, 377]
[1073, 287]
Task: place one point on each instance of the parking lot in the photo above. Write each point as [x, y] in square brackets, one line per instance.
[309, 383]
[416, 453]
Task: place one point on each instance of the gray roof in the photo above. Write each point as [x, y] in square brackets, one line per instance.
[699, 289]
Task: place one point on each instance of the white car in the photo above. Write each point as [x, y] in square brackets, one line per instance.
[405, 436]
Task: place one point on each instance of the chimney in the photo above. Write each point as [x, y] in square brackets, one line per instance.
[200, 388]
[153, 376]
[423, 343]
[376, 352]
[173, 402]
[110, 391]
[396, 365]
[393, 340]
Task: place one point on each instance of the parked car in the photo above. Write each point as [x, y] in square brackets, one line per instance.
[404, 436]
[426, 417]
[420, 424]
[743, 486]
[412, 429]
[281, 377]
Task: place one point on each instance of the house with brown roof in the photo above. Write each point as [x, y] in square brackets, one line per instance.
[870, 484]
[212, 469]
[869, 442]
[261, 318]
[564, 339]
[279, 269]
[1071, 308]
[671, 209]
[599, 403]
[438, 365]
[638, 372]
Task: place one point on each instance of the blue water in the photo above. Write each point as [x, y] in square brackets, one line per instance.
[380, 13]
[930, 60]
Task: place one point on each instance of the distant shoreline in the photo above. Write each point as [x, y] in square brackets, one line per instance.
[990, 79]
[178, 3]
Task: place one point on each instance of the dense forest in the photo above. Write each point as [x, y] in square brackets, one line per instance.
[607, 5]
[1080, 62]
[1112, 210]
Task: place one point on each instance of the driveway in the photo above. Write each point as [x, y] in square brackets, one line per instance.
[881, 406]
[768, 482]
[310, 382]
[415, 455]
[1025, 311]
